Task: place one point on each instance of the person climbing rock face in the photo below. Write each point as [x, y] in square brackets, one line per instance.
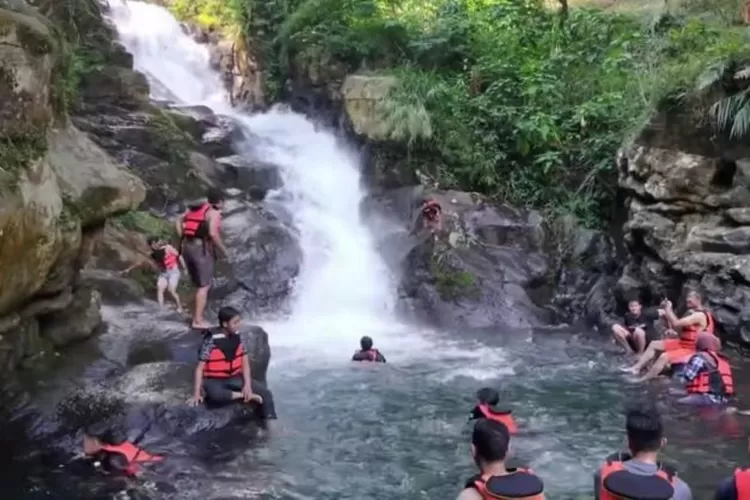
[707, 375]
[166, 260]
[223, 370]
[637, 328]
[676, 351]
[367, 352]
[490, 447]
[113, 453]
[200, 238]
[487, 400]
[638, 473]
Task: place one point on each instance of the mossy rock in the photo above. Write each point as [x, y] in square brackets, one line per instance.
[145, 223]
[451, 283]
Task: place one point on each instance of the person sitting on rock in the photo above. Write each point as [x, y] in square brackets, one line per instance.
[487, 400]
[707, 375]
[223, 370]
[109, 450]
[432, 215]
[200, 237]
[672, 352]
[165, 260]
[638, 473]
[367, 352]
[490, 447]
[637, 328]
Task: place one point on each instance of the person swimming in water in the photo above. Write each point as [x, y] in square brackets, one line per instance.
[367, 352]
[707, 375]
[487, 401]
[490, 447]
[115, 454]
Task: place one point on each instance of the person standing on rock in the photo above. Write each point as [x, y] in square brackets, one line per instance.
[200, 238]
[637, 328]
[166, 260]
[671, 352]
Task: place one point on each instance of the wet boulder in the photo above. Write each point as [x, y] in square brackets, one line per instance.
[480, 270]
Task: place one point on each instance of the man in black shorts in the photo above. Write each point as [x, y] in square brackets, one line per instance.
[638, 328]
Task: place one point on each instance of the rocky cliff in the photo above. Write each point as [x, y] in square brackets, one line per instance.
[58, 187]
[688, 226]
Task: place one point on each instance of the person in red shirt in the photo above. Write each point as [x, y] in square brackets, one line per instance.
[166, 260]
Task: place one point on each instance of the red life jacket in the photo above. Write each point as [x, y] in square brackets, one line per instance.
[518, 484]
[133, 455]
[431, 209]
[717, 380]
[218, 365]
[167, 260]
[742, 483]
[689, 334]
[195, 223]
[617, 483]
[372, 354]
[504, 417]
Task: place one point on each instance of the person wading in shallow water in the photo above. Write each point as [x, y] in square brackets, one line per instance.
[707, 375]
[637, 327]
[669, 353]
[200, 237]
[368, 352]
[638, 473]
[223, 370]
[490, 446]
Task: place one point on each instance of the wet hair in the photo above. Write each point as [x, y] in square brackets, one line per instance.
[107, 432]
[226, 314]
[152, 239]
[365, 343]
[633, 297]
[215, 196]
[491, 440]
[644, 428]
[487, 395]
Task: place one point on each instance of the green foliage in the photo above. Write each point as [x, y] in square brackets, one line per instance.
[451, 283]
[499, 96]
[16, 155]
[145, 223]
[731, 111]
[210, 14]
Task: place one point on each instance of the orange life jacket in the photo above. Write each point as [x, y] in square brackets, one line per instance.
[717, 380]
[517, 484]
[195, 223]
[133, 455]
[372, 354]
[689, 334]
[504, 417]
[742, 483]
[617, 483]
[167, 260]
[218, 365]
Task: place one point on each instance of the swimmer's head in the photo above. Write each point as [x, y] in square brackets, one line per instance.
[490, 442]
[230, 319]
[645, 430]
[708, 342]
[365, 343]
[488, 396]
[101, 434]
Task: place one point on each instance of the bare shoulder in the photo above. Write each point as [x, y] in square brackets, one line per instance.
[469, 494]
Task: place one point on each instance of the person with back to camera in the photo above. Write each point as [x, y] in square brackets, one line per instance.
[200, 238]
[637, 328]
[638, 473]
[490, 447]
[707, 374]
[487, 401]
[736, 486]
[223, 369]
[368, 352]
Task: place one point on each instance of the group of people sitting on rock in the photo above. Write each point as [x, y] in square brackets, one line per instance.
[691, 349]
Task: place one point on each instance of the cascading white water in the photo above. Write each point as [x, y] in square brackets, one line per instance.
[344, 289]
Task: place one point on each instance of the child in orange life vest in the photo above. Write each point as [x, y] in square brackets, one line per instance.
[113, 453]
[166, 260]
[487, 399]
